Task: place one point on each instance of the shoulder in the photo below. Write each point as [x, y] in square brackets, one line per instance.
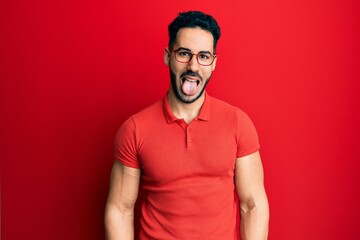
[147, 118]
[225, 113]
[151, 113]
[141, 120]
[218, 106]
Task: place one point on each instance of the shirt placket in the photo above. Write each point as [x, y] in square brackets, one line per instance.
[188, 132]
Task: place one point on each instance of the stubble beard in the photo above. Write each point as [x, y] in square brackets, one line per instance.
[178, 92]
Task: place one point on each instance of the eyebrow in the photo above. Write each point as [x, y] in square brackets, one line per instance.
[187, 49]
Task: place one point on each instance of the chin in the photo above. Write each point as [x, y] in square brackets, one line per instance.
[185, 98]
[176, 88]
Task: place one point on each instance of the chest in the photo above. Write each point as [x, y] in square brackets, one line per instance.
[177, 151]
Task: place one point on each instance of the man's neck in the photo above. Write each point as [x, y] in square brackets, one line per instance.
[186, 111]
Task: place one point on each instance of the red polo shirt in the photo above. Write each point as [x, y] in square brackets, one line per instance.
[187, 170]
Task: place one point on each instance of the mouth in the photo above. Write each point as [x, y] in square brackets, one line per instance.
[191, 80]
[189, 85]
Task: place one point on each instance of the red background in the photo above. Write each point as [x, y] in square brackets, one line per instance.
[73, 71]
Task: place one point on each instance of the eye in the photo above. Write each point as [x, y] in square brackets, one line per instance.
[204, 56]
[184, 54]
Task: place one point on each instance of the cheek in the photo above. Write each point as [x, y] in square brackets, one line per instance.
[176, 68]
[207, 73]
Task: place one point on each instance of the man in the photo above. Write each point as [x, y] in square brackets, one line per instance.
[192, 152]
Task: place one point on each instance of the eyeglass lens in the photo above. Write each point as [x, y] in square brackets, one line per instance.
[202, 58]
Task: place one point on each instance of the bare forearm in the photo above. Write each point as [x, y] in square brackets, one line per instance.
[254, 222]
[119, 225]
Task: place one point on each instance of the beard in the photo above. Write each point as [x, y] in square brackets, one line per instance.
[178, 91]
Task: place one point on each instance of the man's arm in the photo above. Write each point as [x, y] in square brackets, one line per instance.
[119, 212]
[254, 208]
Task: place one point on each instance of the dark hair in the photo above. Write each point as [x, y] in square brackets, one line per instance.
[193, 19]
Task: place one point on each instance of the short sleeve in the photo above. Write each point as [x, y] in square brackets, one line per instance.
[125, 144]
[247, 138]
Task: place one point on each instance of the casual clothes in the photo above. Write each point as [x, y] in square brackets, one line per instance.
[187, 170]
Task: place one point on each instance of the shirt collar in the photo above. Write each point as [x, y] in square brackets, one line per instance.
[203, 115]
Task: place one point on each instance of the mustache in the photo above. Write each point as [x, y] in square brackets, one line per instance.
[190, 73]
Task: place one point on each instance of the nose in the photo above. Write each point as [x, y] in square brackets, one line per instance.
[193, 65]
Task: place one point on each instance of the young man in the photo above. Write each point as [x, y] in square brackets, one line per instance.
[192, 152]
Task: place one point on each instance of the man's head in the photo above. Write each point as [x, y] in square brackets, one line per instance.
[193, 19]
[191, 54]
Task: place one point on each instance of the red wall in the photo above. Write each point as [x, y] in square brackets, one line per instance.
[72, 71]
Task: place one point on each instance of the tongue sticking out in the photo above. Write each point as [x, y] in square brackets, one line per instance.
[189, 88]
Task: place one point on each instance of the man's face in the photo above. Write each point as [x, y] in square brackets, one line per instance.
[188, 80]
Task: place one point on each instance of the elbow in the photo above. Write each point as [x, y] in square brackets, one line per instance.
[110, 215]
[247, 206]
[252, 204]
[114, 214]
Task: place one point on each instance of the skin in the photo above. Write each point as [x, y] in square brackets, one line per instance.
[254, 207]
[119, 211]
[249, 180]
[196, 40]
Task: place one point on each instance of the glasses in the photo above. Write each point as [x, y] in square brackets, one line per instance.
[185, 56]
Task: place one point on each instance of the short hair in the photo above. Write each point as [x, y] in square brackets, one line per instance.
[193, 19]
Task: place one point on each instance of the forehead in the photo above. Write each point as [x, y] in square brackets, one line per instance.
[195, 39]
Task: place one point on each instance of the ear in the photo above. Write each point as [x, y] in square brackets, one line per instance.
[214, 64]
[167, 56]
